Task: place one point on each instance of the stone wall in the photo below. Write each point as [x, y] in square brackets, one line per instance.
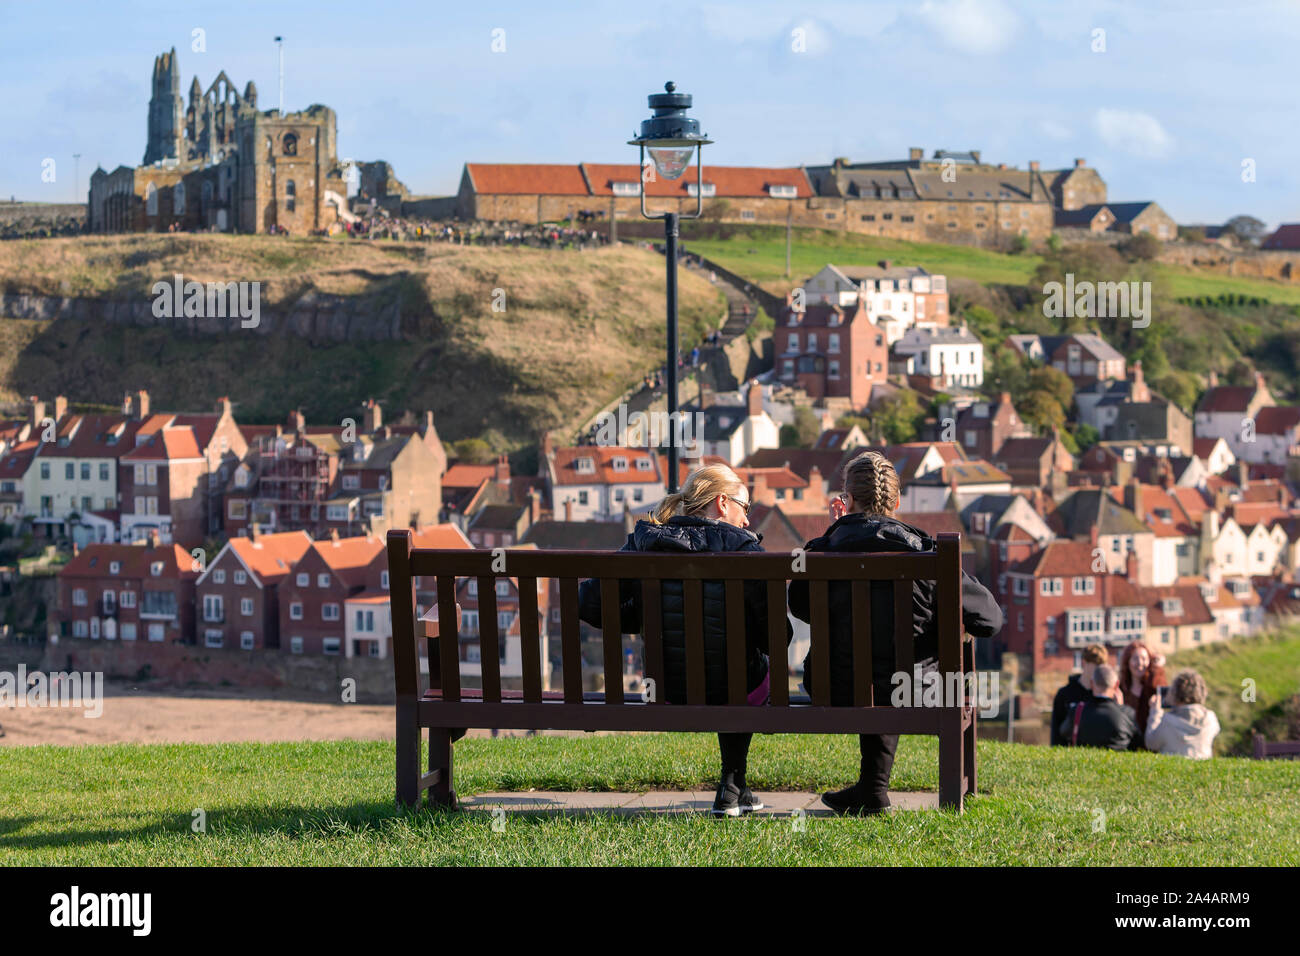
[182, 665]
[314, 316]
[1283, 265]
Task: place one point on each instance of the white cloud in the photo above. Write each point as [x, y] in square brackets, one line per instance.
[1139, 134]
[980, 27]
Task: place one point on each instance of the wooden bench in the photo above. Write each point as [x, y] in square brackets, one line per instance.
[447, 710]
[1264, 750]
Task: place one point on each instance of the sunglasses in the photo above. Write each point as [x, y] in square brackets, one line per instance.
[745, 505]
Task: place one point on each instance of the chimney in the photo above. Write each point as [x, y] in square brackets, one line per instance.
[297, 423]
[1131, 566]
[534, 506]
[759, 493]
[816, 486]
[915, 153]
[60, 407]
[1139, 392]
[128, 405]
[975, 155]
[629, 522]
[840, 162]
[1033, 165]
[1093, 534]
[254, 531]
[545, 452]
[754, 399]
[37, 414]
[706, 396]
[372, 418]
[502, 476]
[386, 432]
[1243, 474]
[568, 509]
[1132, 497]
[428, 423]
[1079, 163]
[1213, 379]
[153, 538]
[1166, 474]
[334, 536]
[884, 263]
[142, 404]
[1002, 165]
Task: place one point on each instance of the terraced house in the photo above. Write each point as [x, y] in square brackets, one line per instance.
[314, 595]
[238, 593]
[128, 592]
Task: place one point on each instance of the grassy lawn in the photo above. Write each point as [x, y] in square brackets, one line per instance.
[758, 254]
[332, 803]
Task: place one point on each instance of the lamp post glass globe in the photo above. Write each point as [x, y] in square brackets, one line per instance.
[671, 161]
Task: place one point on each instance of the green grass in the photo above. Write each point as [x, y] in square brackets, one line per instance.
[758, 254]
[332, 803]
[1271, 662]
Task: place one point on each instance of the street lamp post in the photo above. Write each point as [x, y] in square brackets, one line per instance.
[672, 138]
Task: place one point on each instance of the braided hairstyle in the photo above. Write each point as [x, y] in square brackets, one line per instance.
[872, 484]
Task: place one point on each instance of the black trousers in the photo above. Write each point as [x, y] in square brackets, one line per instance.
[735, 752]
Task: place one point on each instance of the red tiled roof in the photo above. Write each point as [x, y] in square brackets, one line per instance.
[1227, 398]
[774, 477]
[87, 437]
[14, 465]
[168, 444]
[1204, 447]
[462, 475]
[802, 461]
[349, 557]
[369, 597]
[1277, 420]
[1248, 513]
[271, 556]
[442, 536]
[1195, 610]
[136, 559]
[514, 179]
[1062, 557]
[602, 459]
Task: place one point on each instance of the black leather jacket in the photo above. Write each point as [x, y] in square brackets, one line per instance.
[856, 532]
[688, 534]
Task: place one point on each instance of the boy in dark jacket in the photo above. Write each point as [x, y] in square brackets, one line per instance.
[710, 514]
[864, 521]
[1077, 688]
[1099, 721]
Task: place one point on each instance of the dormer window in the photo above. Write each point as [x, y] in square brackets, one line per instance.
[707, 190]
[586, 466]
[626, 189]
[643, 464]
[156, 569]
[1171, 606]
[619, 464]
[724, 421]
[114, 567]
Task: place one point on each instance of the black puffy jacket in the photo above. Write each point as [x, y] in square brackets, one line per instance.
[857, 532]
[689, 534]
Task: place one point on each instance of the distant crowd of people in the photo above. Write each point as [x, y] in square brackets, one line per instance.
[474, 233]
[1134, 707]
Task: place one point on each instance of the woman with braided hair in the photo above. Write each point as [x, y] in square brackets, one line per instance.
[863, 519]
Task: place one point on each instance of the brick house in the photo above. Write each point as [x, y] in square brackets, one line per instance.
[1031, 462]
[1228, 411]
[1085, 357]
[128, 592]
[238, 597]
[831, 351]
[982, 428]
[313, 596]
[506, 606]
[896, 297]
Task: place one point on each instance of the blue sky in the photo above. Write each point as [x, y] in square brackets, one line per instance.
[1181, 95]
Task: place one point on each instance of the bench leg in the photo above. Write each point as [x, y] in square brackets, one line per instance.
[968, 745]
[952, 780]
[408, 756]
[441, 794]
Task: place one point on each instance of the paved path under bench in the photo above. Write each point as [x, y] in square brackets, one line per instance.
[663, 802]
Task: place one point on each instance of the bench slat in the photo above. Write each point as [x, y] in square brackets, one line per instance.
[819, 632]
[777, 648]
[489, 652]
[904, 648]
[448, 638]
[570, 641]
[863, 691]
[529, 640]
[652, 633]
[694, 608]
[737, 685]
[612, 639]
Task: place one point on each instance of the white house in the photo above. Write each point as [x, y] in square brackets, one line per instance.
[594, 482]
[734, 431]
[951, 356]
[896, 298]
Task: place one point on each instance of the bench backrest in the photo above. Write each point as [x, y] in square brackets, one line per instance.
[1265, 749]
[526, 566]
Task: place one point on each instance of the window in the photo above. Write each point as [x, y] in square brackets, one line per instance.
[383, 580]
[1084, 585]
[833, 342]
[213, 638]
[127, 599]
[103, 471]
[365, 620]
[69, 471]
[246, 640]
[329, 612]
[868, 217]
[114, 567]
[295, 645]
[323, 580]
[238, 509]
[246, 607]
[374, 648]
[472, 588]
[1050, 586]
[128, 632]
[329, 645]
[213, 607]
[156, 632]
[295, 611]
[746, 214]
[80, 629]
[1020, 587]
[45, 471]
[792, 344]
[503, 587]
[79, 597]
[241, 577]
[352, 482]
[291, 146]
[218, 577]
[336, 512]
[290, 196]
[782, 192]
[705, 189]
[833, 369]
[582, 497]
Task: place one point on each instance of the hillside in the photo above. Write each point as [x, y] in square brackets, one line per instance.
[1272, 663]
[513, 372]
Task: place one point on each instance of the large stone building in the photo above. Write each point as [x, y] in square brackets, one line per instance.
[221, 164]
[952, 197]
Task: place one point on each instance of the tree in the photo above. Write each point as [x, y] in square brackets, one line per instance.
[897, 419]
[1019, 245]
[1143, 246]
[1042, 410]
[1085, 436]
[1246, 228]
[1055, 383]
[473, 451]
[804, 430]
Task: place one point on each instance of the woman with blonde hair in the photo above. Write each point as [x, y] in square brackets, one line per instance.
[863, 519]
[709, 514]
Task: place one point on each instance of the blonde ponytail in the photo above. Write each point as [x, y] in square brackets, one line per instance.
[701, 487]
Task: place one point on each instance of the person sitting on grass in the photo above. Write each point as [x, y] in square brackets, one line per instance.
[1101, 720]
[709, 514]
[863, 519]
[1077, 688]
[1188, 727]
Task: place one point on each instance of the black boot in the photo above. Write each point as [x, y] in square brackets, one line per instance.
[870, 795]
